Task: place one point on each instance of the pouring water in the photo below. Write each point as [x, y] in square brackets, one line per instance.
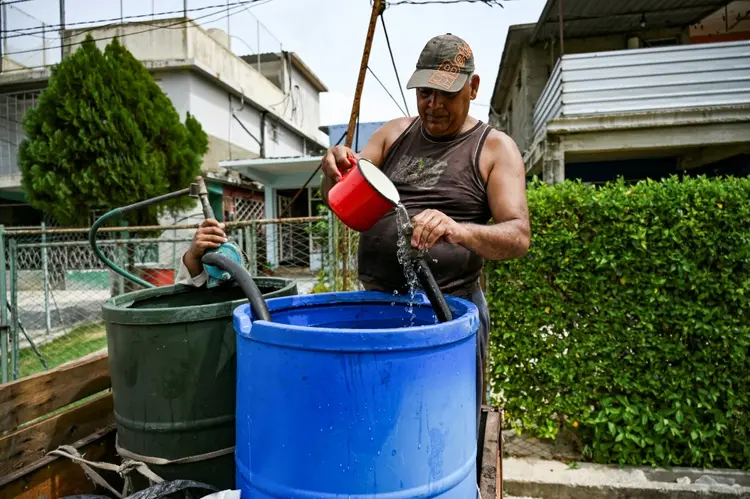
[362, 197]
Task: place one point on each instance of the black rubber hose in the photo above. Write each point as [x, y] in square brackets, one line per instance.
[245, 281]
[427, 280]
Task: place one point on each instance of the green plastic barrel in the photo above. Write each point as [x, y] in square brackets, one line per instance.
[172, 365]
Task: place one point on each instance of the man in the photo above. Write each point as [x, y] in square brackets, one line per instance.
[453, 174]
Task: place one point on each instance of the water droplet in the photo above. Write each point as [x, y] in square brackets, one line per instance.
[393, 453]
[330, 427]
[378, 453]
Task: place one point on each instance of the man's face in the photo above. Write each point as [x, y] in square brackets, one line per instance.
[444, 113]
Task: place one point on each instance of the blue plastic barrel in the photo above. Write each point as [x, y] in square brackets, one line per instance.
[339, 397]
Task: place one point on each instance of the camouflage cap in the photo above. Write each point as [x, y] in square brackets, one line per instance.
[446, 62]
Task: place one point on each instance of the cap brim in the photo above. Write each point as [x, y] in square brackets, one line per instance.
[439, 80]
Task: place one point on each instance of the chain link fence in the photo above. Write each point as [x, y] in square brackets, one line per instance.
[53, 286]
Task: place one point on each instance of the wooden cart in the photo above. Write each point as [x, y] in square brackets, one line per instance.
[72, 405]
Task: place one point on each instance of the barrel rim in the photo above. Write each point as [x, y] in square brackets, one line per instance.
[464, 325]
[118, 309]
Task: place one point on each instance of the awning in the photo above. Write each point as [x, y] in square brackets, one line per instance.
[279, 173]
[585, 18]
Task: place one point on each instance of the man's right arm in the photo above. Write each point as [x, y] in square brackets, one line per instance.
[336, 159]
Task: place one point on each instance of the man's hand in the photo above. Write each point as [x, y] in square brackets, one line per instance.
[337, 161]
[209, 235]
[432, 227]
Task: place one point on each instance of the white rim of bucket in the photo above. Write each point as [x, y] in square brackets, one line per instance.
[378, 180]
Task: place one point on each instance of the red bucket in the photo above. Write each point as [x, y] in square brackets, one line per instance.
[362, 196]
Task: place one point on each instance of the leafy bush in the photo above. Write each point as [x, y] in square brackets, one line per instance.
[629, 320]
[105, 135]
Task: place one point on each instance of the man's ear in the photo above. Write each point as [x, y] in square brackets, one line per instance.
[474, 86]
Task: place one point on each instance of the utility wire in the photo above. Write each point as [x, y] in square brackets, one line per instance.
[489, 3]
[169, 26]
[393, 61]
[386, 91]
[11, 2]
[246, 130]
[51, 27]
[312, 176]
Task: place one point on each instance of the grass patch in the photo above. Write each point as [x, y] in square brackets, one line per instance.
[81, 340]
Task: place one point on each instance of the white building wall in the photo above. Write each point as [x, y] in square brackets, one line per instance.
[307, 115]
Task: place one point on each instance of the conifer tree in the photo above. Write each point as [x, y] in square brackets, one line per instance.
[105, 135]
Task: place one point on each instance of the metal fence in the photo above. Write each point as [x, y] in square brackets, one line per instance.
[52, 285]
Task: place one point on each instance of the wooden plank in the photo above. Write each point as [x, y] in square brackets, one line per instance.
[488, 481]
[23, 447]
[24, 400]
[54, 477]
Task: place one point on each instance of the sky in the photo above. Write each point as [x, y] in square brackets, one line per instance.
[328, 35]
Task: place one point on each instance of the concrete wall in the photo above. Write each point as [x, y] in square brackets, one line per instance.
[529, 80]
[307, 99]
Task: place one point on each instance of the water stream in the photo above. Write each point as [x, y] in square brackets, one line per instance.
[404, 253]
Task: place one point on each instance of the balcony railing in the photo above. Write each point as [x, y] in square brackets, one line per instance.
[643, 80]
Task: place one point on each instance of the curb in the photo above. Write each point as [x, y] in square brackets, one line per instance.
[554, 480]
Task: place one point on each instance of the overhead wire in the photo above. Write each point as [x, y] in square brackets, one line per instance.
[393, 61]
[118, 20]
[153, 28]
[11, 2]
[312, 176]
[489, 3]
[386, 91]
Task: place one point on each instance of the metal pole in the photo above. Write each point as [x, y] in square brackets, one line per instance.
[123, 257]
[13, 308]
[229, 27]
[184, 8]
[2, 36]
[121, 13]
[330, 259]
[252, 253]
[62, 29]
[257, 23]
[44, 44]
[3, 309]
[377, 9]
[561, 22]
[5, 28]
[45, 276]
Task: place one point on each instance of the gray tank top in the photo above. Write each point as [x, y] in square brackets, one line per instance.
[442, 174]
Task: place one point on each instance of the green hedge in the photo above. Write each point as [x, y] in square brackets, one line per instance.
[628, 321]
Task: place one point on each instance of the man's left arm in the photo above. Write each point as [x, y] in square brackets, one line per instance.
[510, 233]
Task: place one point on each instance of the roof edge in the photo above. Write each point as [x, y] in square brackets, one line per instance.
[513, 30]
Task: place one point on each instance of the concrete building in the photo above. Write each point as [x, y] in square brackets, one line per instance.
[597, 89]
[250, 107]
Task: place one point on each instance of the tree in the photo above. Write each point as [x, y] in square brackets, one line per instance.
[105, 135]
